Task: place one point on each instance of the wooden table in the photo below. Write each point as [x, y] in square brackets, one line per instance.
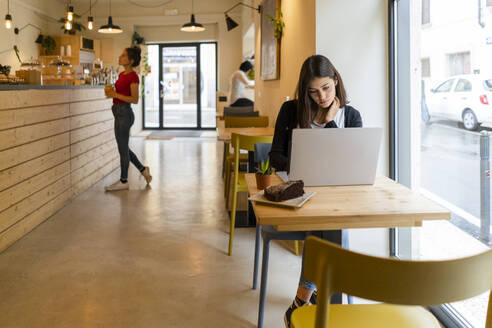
[224, 134]
[386, 204]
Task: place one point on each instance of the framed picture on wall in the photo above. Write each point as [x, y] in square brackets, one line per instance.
[270, 46]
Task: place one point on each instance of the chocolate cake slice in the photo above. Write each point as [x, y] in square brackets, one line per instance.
[285, 191]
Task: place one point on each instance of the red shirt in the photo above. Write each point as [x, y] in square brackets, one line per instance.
[122, 85]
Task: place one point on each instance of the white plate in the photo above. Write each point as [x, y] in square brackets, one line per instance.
[292, 203]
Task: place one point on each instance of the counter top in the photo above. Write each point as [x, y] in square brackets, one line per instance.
[13, 87]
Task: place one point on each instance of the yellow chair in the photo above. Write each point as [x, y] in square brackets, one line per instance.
[239, 142]
[238, 122]
[403, 284]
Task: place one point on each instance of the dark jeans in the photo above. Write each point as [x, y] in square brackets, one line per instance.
[339, 237]
[123, 121]
[242, 102]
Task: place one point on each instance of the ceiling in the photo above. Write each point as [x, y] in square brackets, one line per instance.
[129, 8]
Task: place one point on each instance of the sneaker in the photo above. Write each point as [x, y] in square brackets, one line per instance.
[314, 298]
[295, 304]
[118, 185]
[146, 174]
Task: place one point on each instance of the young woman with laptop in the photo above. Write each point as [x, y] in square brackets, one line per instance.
[320, 102]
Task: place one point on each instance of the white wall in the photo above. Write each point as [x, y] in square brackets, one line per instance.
[39, 13]
[353, 35]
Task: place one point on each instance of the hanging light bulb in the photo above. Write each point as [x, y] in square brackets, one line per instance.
[8, 17]
[68, 25]
[90, 19]
[8, 21]
[70, 13]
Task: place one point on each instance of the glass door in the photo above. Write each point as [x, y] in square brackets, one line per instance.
[180, 92]
[179, 82]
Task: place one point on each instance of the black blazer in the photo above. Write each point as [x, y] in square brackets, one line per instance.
[287, 120]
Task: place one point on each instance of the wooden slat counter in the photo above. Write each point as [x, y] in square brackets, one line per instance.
[54, 144]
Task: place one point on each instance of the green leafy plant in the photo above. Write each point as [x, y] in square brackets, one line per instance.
[17, 53]
[137, 39]
[264, 168]
[48, 45]
[251, 74]
[278, 24]
[5, 70]
[76, 26]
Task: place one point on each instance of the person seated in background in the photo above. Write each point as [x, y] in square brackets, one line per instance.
[321, 102]
[238, 84]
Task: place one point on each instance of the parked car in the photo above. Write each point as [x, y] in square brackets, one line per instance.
[462, 98]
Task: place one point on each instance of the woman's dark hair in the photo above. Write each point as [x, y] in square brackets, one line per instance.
[315, 67]
[245, 66]
[134, 53]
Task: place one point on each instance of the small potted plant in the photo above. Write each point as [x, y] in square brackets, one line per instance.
[264, 175]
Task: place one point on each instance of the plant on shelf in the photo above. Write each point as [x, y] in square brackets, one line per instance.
[278, 24]
[263, 175]
[48, 45]
[137, 39]
[76, 26]
[5, 70]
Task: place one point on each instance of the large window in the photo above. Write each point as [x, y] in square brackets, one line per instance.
[438, 119]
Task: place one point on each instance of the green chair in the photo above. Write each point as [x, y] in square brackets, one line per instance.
[239, 142]
[403, 285]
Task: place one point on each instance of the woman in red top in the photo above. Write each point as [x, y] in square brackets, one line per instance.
[126, 93]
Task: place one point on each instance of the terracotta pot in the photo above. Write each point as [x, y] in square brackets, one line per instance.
[263, 181]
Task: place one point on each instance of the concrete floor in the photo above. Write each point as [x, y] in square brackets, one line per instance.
[148, 257]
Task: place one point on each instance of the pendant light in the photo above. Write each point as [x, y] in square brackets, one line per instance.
[109, 27]
[90, 19]
[8, 17]
[68, 25]
[192, 26]
[70, 12]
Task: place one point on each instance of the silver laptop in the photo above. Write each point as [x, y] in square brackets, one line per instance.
[335, 157]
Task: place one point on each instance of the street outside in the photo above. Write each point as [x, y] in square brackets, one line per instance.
[450, 170]
[450, 164]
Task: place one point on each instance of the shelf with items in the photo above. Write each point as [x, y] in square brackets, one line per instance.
[62, 44]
